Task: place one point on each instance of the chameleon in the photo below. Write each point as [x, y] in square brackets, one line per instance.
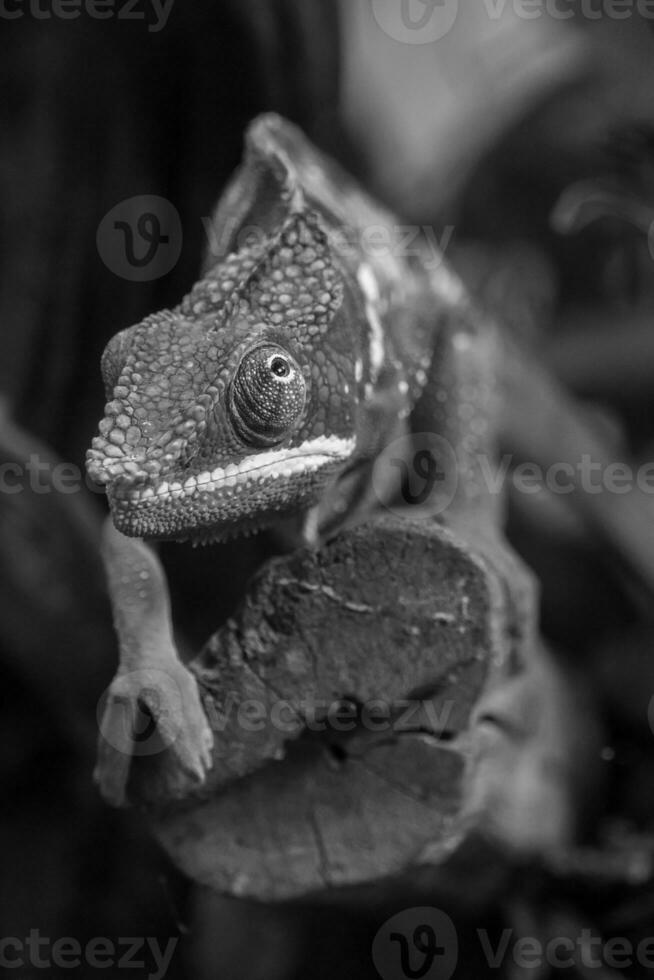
[267, 395]
[312, 342]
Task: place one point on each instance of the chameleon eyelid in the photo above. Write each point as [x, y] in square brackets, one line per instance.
[264, 406]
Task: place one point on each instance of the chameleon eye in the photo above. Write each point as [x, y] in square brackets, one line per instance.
[280, 366]
[267, 395]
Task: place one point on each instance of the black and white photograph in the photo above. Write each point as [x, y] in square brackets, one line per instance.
[327, 489]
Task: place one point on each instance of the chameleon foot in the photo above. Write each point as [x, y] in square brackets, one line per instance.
[153, 712]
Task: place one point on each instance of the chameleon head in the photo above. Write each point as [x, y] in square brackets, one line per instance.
[237, 407]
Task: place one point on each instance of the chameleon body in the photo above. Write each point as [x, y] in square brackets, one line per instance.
[312, 342]
[270, 389]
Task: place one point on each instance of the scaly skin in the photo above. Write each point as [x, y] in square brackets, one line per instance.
[283, 372]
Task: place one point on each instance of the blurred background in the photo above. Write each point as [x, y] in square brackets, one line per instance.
[527, 144]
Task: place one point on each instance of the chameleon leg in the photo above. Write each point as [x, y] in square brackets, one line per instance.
[153, 705]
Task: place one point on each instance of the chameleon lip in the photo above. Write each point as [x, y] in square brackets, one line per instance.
[281, 463]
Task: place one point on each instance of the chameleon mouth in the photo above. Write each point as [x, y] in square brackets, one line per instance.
[218, 498]
[271, 465]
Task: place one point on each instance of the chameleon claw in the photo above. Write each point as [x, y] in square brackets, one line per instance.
[153, 712]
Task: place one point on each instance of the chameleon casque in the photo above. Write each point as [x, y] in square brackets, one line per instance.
[311, 342]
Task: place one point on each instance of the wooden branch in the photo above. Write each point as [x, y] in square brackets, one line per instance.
[395, 611]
